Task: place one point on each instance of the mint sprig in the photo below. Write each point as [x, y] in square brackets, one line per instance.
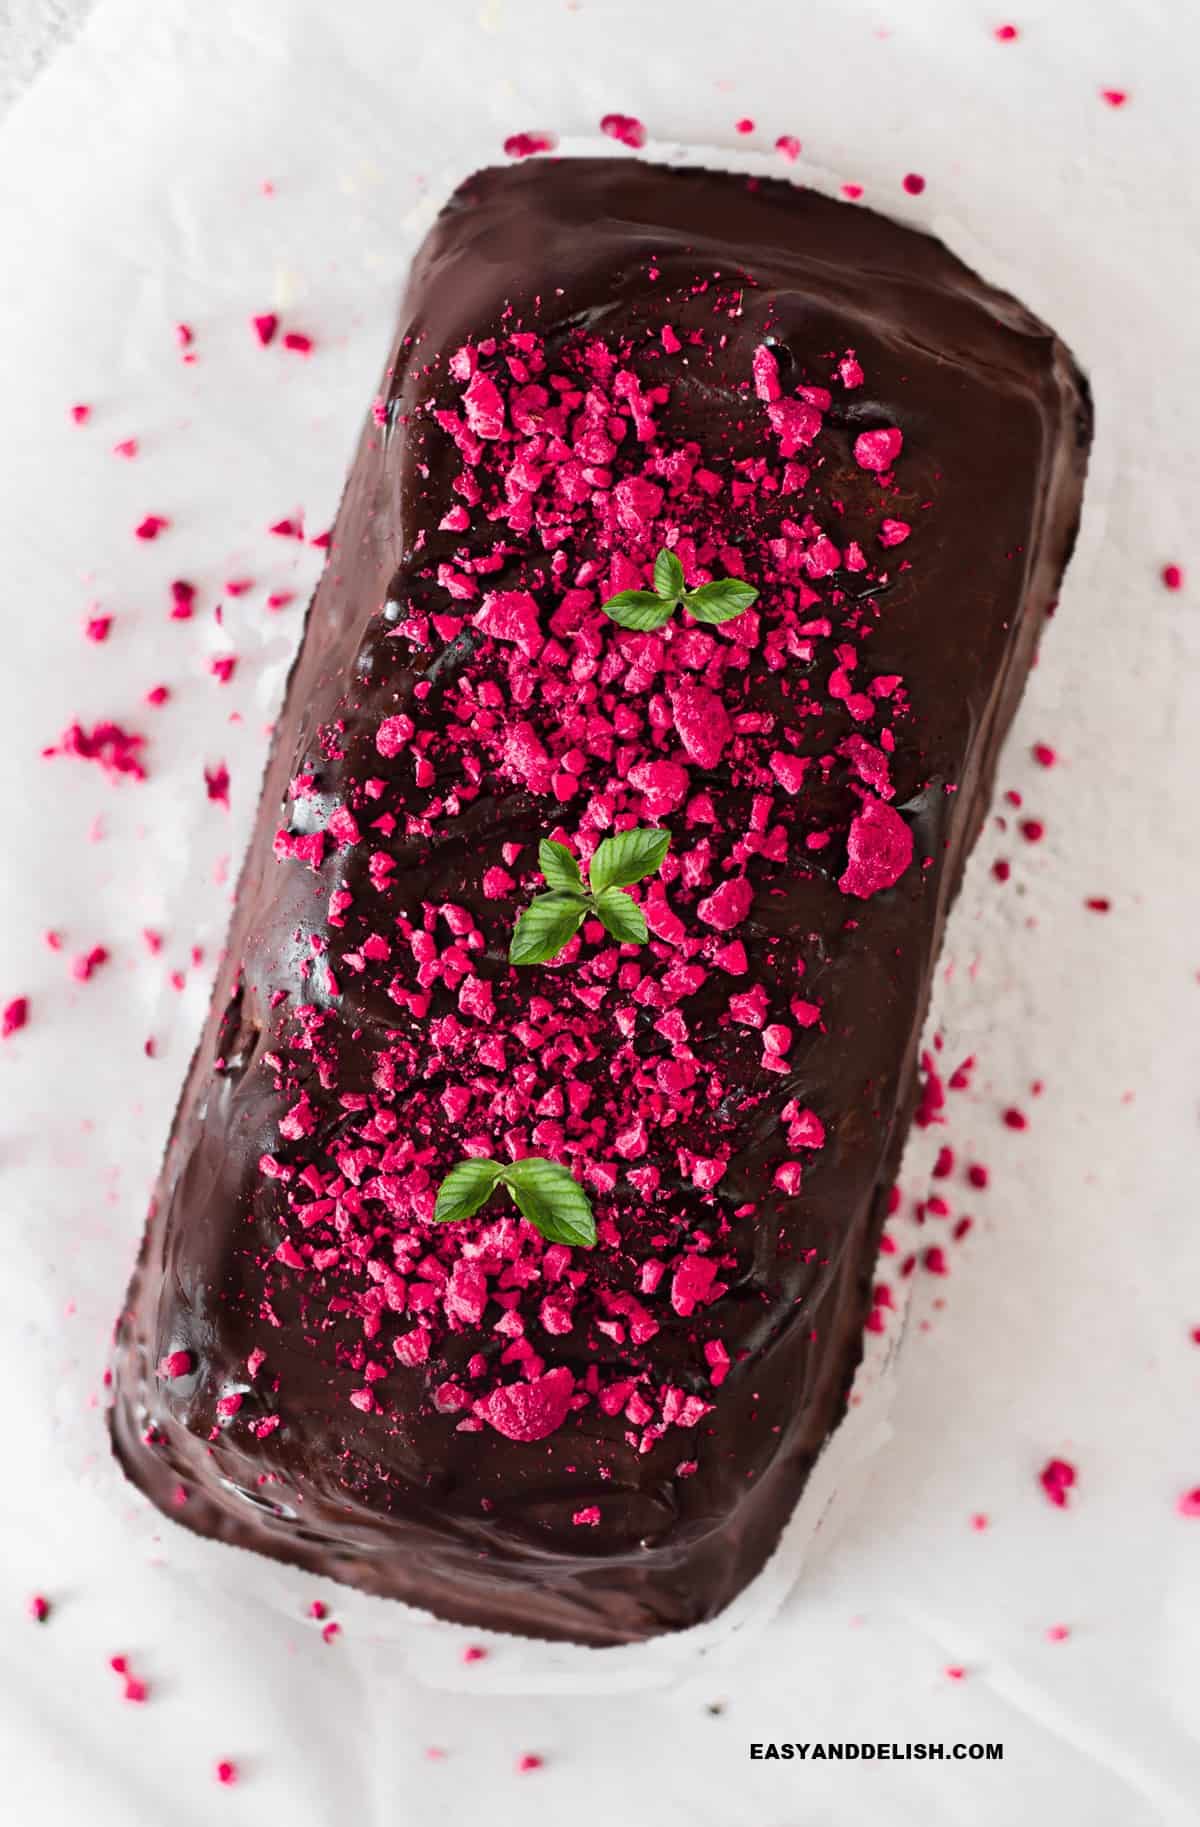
[545, 1192]
[551, 920]
[644, 610]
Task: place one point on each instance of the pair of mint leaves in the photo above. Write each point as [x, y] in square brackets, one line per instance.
[552, 919]
[545, 1192]
[719, 601]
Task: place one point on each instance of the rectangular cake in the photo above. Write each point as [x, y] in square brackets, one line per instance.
[710, 516]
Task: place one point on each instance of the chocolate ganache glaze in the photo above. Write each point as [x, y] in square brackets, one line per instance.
[597, 359]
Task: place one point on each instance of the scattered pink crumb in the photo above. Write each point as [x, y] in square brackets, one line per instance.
[1032, 830]
[53, 939]
[1189, 1502]
[151, 526]
[1098, 903]
[1116, 98]
[625, 128]
[297, 341]
[185, 336]
[127, 448]
[1001, 870]
[1015, 1119]
[1172, 576]
[15, 1016]
[222, 667]
[238, 586]
[39, 1608]
[322, 539]
[474, 1652]
[288, 528]
[279, 599]
[87, 963]
[157, 695]
[1057, 1633]
[81, 414]
[435, 1753]
[216, 783]
[529, 1760]
[1057, 1477]
[97, 627]
[331, 1632]
[788, 146]
[914, 183]
[115, 749]
[852, 191]
[979, 1521]
[743, 126]
[978, 1175]
[1006, 33]
[135, 1691]
[265, 326]
[956, 1673]
[226, 1772]
[318, 1610]
[1044, 754]
[524, 145]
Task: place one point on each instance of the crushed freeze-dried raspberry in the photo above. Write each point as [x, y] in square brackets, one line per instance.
[1116, 98]
[789, 146]
[150, 526]
[39, 1608]
[297, 341]
[265, 326]
[1172, 576]
[81, 414]
[114, 748]
[914, 183]
[1189, 1502]
[1057, 1478]
[1006, 33]
[529, 1760]
[14, 1017]
[524, 145]
[744, 126]
[226, 1772]
[624, 128]
[127, 448]
[216, 784]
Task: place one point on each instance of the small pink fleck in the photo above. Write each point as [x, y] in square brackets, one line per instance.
[529, 1760]
[296, 340]
[216, 783]
[81, 414]
[331, 1632]
[265, 326]
[15, 1016]
[852, 191]
[1057, 1633]
[978, 1175]
[287, 528]
[914, 183]
[185, 336]
[127, 448]
[744, 126]
[87, 963]
[524, 145]
[956, 1673]
[279, 599]
[1044, 755]
[1098, 903]
[1116, 98]
[1006, 33]
[39, 1608]
[151, 526]
[788, 146]
[1057, 1477]
[979, 1521]
[1189, 1502]
[1172, 576]
[238, 586]
[474, 1652]
[1001, 869]
[1032, 830]
[625, 128]
[97, 627]
[588, 1517]
[227, 1772]
[158, 694]
[878, 450]
[318, 1609]
[1015, 1119]
[222, 666]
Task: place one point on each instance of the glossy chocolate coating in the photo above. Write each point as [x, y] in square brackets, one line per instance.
[471, 1525]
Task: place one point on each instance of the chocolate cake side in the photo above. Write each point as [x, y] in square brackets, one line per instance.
[598, 359]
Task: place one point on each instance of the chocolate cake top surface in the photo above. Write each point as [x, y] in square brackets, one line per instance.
[600, 360]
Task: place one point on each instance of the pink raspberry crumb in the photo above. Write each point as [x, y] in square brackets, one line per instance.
[529, 1760]
[15, 1016]
[625, 128]
[1172, 576]
[788, 146]
[1057, 1478]
[914, 183]
[525, 145]
[226, 1772]
[39, 1608]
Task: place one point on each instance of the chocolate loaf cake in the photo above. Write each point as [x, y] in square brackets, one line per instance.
[614, 385]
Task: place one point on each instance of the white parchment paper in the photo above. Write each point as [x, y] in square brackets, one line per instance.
[133, 199]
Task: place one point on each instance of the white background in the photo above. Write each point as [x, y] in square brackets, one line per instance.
[131, 199]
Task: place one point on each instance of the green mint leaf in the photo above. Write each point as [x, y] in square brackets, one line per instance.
[628, 857]
[639, 609]
[549, 1195]
[559, 867]
[622, 917]
[720, 601]
[544, 928]
[465, 1188]
[668, 576]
